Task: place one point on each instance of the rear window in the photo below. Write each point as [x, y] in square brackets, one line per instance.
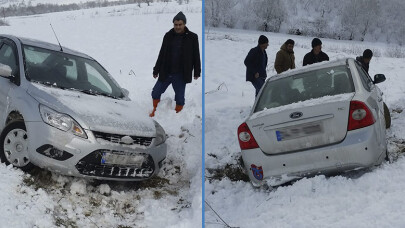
[305, 86]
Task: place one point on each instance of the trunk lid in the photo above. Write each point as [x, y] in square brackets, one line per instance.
[302, 125]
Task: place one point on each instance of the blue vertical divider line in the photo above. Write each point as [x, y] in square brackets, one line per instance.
[203, 114]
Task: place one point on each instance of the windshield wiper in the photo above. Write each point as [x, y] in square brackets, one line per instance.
[93, 92]
[50, 84]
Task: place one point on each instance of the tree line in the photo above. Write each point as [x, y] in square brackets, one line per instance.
[363, 20]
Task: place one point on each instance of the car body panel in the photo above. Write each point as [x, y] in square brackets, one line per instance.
[122, 116]
[316, 127]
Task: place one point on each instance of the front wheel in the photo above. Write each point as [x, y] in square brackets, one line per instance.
[14, 146]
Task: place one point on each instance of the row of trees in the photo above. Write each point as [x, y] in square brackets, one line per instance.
[371, 20]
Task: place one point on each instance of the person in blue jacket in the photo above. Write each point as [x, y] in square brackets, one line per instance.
[256, 63]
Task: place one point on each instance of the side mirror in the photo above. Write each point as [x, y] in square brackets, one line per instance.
[379, 78]
[125, 91]
[5, 71]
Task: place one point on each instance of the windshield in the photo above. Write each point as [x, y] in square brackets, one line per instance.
[305, 86]
[68, 72]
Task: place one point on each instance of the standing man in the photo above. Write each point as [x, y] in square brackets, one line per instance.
[285, 58]
[365, 59]
[316, 55]
[179, 56]
[256, 63]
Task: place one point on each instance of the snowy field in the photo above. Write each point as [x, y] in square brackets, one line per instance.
[361, 199]
[126, 41]
[6, 3]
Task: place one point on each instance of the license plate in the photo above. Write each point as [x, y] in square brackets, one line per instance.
[298, 131]
[122, 159]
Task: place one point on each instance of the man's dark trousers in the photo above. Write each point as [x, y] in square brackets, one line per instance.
[258, 83]
[178, 84]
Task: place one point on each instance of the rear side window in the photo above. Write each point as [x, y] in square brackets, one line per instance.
[364, 77]
[305, 86]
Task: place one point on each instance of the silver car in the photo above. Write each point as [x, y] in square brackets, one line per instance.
[320, 119]
[61, 110]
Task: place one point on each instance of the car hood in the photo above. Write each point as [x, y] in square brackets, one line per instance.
[96, 113]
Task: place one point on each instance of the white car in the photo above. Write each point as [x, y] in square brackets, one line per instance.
[320, 119]
[61, 110]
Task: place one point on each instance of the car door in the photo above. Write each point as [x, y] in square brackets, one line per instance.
[8, 56]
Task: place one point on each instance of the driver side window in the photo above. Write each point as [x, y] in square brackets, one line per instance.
[365, 78]
[8, 57]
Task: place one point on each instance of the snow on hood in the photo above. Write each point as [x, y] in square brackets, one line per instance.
[97, 113]
[306, 103]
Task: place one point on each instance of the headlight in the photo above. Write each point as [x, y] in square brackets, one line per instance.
[61, 121]
[160, 134]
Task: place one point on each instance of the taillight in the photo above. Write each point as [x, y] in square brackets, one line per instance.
[359, 116]
[246, 139]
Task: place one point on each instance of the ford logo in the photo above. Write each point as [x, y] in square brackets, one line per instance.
[295, 115]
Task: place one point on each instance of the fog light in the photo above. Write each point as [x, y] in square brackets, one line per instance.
[54, 153]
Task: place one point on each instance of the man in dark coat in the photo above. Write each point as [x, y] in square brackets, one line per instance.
[316, 55]
[256, 63]
[285, 58]
[365, 59]
[179, 56]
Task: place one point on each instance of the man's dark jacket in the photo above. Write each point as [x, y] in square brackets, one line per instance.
[189, 60]
[365, 66]
[254, 63]
[311, 58]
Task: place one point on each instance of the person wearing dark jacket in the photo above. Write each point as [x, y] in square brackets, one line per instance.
[365, 59]
[178, 59]
[316, 55]
[365, 63]
[256, 63]
[285, 58]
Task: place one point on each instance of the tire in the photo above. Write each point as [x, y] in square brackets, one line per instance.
[14, 146]
[387, 116]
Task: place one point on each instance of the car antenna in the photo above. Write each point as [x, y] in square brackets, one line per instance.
[61, 49]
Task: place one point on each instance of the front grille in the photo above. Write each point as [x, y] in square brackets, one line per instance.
[91, 165]
[116, 138]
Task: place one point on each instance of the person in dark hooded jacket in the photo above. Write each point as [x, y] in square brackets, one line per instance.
[365, 59]
[256, 63]
[178, 61]
[285, 58]
[316, 55]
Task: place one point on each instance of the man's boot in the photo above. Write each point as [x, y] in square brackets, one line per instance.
[178, 108]
[155, 104]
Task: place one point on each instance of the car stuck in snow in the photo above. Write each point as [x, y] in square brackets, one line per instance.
[320, 119]
[61, 110]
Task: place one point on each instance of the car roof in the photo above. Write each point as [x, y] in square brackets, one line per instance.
[45, 45]
[316, 66]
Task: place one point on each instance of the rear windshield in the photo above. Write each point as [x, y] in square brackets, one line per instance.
[305, 86]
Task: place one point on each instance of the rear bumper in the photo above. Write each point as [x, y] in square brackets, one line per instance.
[360, 149]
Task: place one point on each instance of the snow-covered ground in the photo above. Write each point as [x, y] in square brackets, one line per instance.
[126, 41]
[363, 199]
[6, 3]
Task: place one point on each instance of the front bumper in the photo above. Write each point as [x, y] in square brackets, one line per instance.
[360, 149]
[86, 155]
